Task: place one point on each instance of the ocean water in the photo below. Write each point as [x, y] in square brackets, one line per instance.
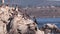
[42, 21]
[31, 3]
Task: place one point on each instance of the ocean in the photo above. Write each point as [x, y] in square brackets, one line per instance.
[42, 21]
[31, 3]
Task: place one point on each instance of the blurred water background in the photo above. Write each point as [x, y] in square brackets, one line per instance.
[42, 21]
[32, 3]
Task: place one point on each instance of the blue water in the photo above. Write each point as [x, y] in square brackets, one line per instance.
[42, 21]
[31, 3]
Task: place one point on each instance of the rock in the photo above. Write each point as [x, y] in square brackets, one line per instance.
[50, 28]
[14, 21]
[2, 28]
[4, 16]
[40, 32]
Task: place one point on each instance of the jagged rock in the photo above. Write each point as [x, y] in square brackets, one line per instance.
[40, 32]
[4, 16]
[14, 21]
[20, 23]
[50, 28]
[2, 28]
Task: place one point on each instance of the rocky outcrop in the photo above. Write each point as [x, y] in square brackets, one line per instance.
[50, 29]
[4, 16]
[14, 21]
